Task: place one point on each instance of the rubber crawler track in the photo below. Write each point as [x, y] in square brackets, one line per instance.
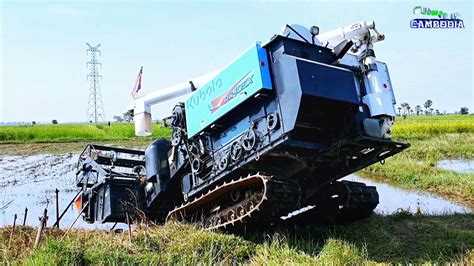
[266, 198]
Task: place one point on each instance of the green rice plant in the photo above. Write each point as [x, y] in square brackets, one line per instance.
[74, 132]
[423, 127]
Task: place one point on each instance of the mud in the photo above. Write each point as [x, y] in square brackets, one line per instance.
[30, 182]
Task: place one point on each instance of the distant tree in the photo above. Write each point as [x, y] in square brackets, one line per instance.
[55, 122]
[33, 123]
[118, 118]
[128, 116]
[431, 111]
[437, 112]
[405, 109]
[427, 105]
[418, 110]
[464, 111]
[399, 111]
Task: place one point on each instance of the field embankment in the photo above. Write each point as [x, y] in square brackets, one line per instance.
[432, 138]
[400, 238]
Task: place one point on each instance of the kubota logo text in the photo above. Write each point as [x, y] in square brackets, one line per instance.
[201, 94]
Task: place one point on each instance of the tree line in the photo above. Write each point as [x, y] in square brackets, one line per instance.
[406, 110]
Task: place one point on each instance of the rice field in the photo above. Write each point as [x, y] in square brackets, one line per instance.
[415, 127]
[422, 127]
[74, 132]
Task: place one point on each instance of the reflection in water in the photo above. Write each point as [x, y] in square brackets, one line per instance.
[393, 199]
[460, 166]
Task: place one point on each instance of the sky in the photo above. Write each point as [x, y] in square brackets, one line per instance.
[43, 51]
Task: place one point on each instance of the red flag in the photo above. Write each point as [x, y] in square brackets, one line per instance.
[138, 83]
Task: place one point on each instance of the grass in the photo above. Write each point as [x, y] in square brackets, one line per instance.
[411, 174]
[422, 127]
[74, 132]
[412, 128]
[400, 238]
[415, 168]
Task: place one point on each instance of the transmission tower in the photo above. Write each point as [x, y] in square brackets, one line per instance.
[95, 108]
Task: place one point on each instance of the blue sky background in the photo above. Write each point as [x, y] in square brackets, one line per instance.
[43, 52]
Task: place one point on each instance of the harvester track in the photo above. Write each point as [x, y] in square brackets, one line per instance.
[244, 202]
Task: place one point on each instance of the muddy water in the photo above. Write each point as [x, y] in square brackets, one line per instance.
[30, 181]
[460, 166]
[394, 199]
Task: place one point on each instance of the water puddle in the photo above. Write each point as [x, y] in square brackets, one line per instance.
[394, 199]
[460, 166]
[30, 182]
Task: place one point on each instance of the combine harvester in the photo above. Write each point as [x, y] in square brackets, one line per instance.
[268, 134]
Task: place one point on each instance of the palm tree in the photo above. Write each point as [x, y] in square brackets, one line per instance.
[418, 110]
[406, 109]
[399, 111]
[427, 105]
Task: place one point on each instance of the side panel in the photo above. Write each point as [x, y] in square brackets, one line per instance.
[239, 81]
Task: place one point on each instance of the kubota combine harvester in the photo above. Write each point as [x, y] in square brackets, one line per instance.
[268, 134]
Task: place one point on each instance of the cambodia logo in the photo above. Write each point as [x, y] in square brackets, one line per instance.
[435, 19]
[238, 87]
